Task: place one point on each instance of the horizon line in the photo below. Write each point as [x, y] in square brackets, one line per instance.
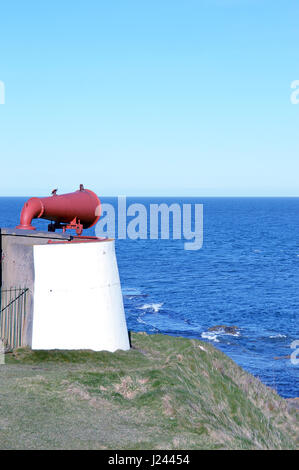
[178, 196]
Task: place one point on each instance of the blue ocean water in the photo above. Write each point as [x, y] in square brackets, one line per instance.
[246, 274]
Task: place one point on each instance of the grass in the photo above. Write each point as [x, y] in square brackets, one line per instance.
[165, 393]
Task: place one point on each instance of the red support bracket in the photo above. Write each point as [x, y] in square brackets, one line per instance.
[73, 225]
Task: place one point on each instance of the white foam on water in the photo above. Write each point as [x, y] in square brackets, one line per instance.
[131, 292]
[211, 336]
[154, 307]
[277, 336]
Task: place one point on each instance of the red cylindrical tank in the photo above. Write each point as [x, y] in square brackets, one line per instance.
[79, 209]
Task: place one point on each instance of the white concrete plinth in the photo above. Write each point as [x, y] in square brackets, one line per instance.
[78, 302]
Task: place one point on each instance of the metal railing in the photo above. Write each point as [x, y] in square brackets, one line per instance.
[12, 316]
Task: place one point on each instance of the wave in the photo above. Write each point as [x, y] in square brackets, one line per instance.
[132, 293]
[210, 336]
[213, 335]
[277, 336]
[151, 307]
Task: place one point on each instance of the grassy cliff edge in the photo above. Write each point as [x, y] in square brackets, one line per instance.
[165, 393]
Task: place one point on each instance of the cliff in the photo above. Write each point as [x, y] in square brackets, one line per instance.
[165, 393]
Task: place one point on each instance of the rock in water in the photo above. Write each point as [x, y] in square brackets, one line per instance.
[224, 328]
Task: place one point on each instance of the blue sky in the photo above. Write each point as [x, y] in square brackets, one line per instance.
[149, 98]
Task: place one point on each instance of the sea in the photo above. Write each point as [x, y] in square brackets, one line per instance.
[246, 275]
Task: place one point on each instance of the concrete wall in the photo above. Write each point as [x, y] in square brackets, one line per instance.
[75, 299]
[78, 302]
[17, 265]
